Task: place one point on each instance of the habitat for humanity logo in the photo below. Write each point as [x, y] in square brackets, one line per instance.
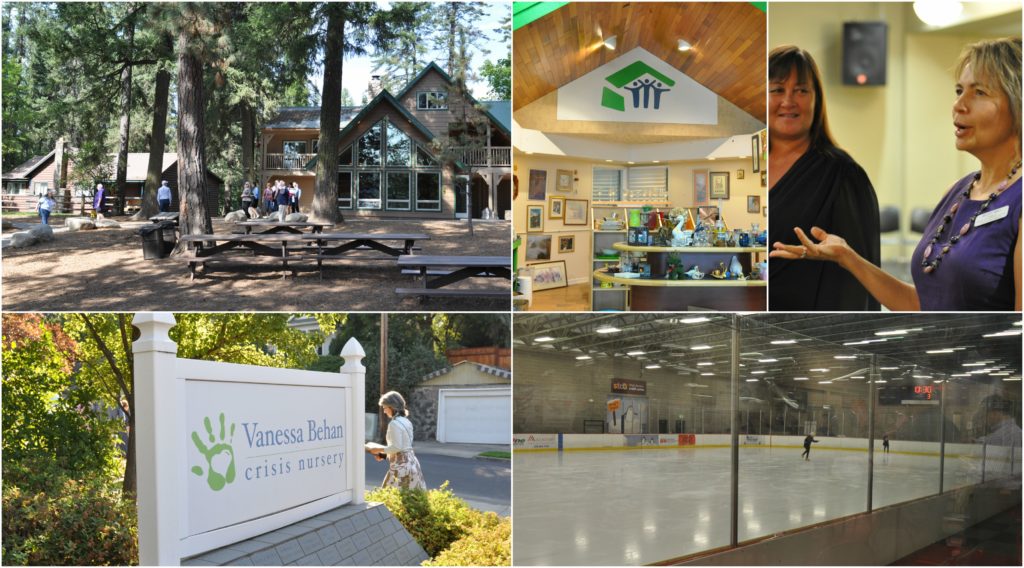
[643, 82]
[220, 456]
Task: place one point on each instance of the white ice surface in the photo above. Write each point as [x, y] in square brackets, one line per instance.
[643, 506]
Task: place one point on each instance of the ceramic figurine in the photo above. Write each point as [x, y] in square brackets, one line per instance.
[678, 239]
[736, 269]
[719, 273]
[755, 272]
[745, 240]
[763, 265]
[695, 273]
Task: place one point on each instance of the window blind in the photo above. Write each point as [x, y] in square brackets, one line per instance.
[647, 184]
[607, 185]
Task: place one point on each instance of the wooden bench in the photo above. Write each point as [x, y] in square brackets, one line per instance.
[295, 227]
[366, 241]
[289, 247]
[451, 269]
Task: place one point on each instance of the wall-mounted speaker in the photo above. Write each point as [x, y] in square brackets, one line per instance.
[864, 52]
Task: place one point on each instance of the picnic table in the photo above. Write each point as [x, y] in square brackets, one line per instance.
[290, 247]
[166, 216]
[448, 270]
[294, 227]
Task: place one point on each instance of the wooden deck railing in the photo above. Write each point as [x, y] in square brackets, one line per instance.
[287, 161]
[493, 156]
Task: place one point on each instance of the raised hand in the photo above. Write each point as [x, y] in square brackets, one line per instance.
[829, 247]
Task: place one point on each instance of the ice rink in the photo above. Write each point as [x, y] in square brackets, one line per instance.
[642, 506]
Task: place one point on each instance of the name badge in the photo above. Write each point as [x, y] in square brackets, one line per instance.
[993, 215]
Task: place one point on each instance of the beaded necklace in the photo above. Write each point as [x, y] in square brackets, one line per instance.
[933, 264]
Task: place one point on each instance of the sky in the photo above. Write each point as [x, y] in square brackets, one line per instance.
[357, 70]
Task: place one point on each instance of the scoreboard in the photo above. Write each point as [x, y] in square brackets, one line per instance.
[909, 394]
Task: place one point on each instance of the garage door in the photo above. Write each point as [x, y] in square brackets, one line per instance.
[475, 416]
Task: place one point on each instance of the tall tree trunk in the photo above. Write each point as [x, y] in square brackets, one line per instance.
[157, 137]
[195, 217]
[248, 136]
[325, 199]
[121, 186]
[453, 22]
[128, 484]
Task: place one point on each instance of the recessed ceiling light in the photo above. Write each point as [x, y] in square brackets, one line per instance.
[694, 320]
[767, 360]
[544, 338]
[583, 357]
[922, 376]
[979, 364]
[757, 372]
[880, 381]
[700, 347]
[635, 353]
[751, 380]
[938, 351]
[707, 374]
[652, 367]
[611, 42]
[888, 368]
[897, 331]
[608, 329]
[684, 45]
[844, 357]
[938, 12]
[824, 382]
[799, 378]
[783, 342]
[705, 364]
[1006, 333]
[819, 370]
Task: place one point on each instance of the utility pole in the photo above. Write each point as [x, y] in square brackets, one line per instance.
[381, 426]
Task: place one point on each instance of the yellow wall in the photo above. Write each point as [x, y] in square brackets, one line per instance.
[900, 133]
[680, 185]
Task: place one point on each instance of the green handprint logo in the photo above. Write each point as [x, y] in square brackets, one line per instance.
[220, 456]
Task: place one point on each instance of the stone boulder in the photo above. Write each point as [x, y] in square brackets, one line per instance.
[235, 216]
[107, 224]
[23, 239]
[79, 224]
[44, 233]
[296, 218]
[6, 224]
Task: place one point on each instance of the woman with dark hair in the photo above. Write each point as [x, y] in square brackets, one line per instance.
[812, 183]
[970, 255]
[403, 468]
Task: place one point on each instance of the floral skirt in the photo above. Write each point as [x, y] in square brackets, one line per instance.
[404, 472]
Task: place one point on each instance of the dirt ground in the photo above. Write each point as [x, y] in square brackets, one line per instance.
[103, 270]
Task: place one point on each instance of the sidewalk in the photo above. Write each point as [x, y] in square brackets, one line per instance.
[469, 451]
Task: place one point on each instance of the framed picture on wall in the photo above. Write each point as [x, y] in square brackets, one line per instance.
[538, 184]
[764, 211]
[753, 203]
[708, 215]
[538, 247]
[567, 243]
[719, 185]
[534, 218]
[755, 153]
[563, 180]
[556, 208]
[700, 187]
[576, 211]
[764, 178]
[739, 174]
[548, 275]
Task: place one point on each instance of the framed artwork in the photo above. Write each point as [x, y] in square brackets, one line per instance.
[567, 243]
[764, 178]
[548, 275]
[764, 211]
[700, 187]
[753, 203]
[764, 149]
[708, 215]
[538, 247]
[534, 218]
[719, 182]
[538, 184]
[556, 208]
[739, 174]
[563, 180]
[576, 211]
[755, 153]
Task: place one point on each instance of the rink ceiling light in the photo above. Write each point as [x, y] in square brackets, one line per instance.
[978, 364]
[758, 372]
[696, 385]
[824, 382]
[705, 364]
[700, 347]
[608, 330]
[820, 370]
[897, 331]
[583, 357]
[1007, 333]
[844, 357]
[707, 374]
[751, 380]
[882, 381]
[655, 366]
[767, 360]
[800, 378]
[939, 351]
[543, 339]
[784, 342]
[635, 353]
[1012, 379]
[888, 368]
[694, 320]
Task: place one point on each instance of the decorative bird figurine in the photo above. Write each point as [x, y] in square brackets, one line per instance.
[695, 273]
[678, 240]
[736, 268]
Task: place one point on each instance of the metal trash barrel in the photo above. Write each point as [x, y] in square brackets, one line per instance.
[155, 242]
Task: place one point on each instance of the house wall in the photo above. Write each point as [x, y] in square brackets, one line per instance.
[437, 120]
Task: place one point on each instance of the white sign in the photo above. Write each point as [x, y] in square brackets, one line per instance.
[535, 441]
[637, 87]
[259, 449]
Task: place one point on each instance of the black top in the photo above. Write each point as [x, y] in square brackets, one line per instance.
[827, 189]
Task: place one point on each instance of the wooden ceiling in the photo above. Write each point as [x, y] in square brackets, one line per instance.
[729, 39]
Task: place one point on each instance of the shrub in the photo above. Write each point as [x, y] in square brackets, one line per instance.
[435, 518]
[488, 543]
[75, 523]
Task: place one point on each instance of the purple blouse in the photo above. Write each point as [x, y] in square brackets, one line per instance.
[977, 272]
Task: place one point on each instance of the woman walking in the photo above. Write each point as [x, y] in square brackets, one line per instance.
[403, 468]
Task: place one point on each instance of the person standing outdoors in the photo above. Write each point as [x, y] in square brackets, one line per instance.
[46, 206]
[99, 200]
[163, 197]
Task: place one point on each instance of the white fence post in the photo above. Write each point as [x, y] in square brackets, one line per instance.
[155, 443]
[353, 354]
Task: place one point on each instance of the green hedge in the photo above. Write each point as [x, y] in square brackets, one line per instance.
[450, 531]
[75, 523]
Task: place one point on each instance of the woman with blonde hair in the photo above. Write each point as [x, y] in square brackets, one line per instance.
[403, 468]
[970, 255]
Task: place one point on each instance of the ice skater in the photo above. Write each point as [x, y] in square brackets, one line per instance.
[885, 443]
[807, 447]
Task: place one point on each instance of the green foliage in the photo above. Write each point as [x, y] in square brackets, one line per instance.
[487, 543]
[499, 455]
[327, 364]
[499, 78]
[435, 518]
[71, 522]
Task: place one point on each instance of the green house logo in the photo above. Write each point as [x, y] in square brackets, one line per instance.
[644, 83]
[220, 456]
